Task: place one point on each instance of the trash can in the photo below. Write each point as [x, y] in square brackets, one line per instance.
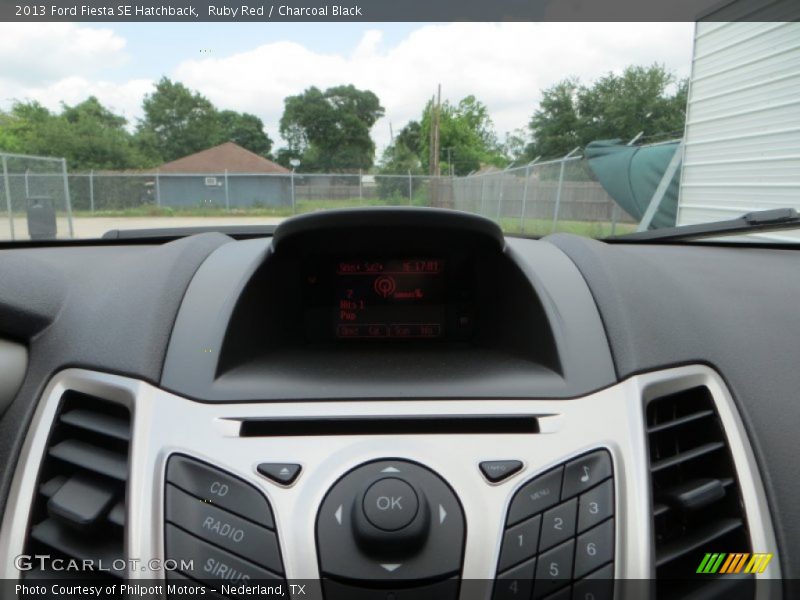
[41, 218]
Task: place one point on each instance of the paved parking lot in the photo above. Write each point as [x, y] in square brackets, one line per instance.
[95, 227]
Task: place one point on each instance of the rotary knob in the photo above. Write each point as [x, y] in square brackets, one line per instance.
[390, 518]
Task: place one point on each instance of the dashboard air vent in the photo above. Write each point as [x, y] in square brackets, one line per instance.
[697, 507]
[79, 510]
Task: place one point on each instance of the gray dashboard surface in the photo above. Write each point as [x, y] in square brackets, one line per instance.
[734, 309]
[190, 368]
[113, 309]
[110, 308]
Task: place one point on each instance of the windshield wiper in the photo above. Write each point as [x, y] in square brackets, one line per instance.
[752, 222]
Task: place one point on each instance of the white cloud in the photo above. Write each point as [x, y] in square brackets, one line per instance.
[124, 99]
[505, 65]
[38, 53]
[63, 62]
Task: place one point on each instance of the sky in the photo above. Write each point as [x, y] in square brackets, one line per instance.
[252, 67]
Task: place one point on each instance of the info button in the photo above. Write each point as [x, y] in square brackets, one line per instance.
[390, 504]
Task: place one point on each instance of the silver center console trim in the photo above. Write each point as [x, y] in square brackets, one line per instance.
[164, 423]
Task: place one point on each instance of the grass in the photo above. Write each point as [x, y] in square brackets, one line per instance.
[542, 227]
[510, 225]
[219, 211]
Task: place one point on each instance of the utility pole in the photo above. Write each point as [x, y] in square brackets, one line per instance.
[437, 170]
[450, 169]
[432, 122]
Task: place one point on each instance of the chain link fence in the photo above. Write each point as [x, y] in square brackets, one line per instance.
[282, 194]
[542, 198]
[34, 193]
[535, 199]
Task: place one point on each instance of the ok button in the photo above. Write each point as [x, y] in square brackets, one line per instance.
[390, 504]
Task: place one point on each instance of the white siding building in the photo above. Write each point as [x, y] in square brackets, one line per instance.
[742, 141]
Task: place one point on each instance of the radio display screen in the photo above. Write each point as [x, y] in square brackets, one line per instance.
[389, 299]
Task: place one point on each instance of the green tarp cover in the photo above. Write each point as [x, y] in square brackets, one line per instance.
[631, 174]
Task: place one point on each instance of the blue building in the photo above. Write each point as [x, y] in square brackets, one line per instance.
[224, 176]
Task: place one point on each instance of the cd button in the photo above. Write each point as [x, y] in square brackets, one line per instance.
[220, 489]
[223, 529]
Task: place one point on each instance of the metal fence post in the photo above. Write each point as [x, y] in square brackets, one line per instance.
[91, 190]
[294, 206]
[525, 193]
[8, 197]
[483, 194]
[66, 198]
[560, 185]
[27, 183]
[524, 199]
[500, 196]
[158, 188]
[410, 189]
[227, 195]
[360, 190]
[614, 218]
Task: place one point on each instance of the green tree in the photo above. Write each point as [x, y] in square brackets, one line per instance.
[397, 159]
[9, 138]
[330, 130]
[96, 138]
[620, 106]
[641, 99]
[246, 130]
[177, 122]
[87, 134]
[410, 137]
[466, 136]
[555, 126]
[515, 145]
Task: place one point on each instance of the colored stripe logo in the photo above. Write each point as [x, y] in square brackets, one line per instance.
[736, 562]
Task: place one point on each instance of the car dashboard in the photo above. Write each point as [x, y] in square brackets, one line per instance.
[397, 403]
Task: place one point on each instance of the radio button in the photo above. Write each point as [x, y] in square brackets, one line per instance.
[223, 529]
[220, 489]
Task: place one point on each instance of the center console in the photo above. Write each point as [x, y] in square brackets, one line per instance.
[387, 405]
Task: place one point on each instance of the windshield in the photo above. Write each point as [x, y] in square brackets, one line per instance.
[595, 129]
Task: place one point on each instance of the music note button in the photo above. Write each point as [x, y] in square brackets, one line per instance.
[585, 472]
